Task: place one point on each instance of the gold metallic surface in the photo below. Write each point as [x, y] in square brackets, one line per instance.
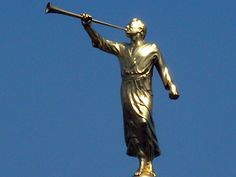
[145, 169]
[137, 60]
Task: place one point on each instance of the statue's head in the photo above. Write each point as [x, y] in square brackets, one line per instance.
[134, 27]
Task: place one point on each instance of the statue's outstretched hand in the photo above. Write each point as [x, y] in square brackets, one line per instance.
[174, 94]
[86, 19]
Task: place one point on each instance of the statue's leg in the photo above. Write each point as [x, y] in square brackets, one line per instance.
[145, 169]
[149, 169]
[142, 164]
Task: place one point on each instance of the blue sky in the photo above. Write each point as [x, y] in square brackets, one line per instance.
[60, 111]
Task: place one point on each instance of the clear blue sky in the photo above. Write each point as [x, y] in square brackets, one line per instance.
[60, 111]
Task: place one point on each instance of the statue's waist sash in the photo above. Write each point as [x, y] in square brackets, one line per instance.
[127, 77]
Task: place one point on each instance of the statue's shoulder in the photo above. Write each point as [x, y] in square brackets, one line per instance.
[120, 45]
[123, 45]
[153, 47]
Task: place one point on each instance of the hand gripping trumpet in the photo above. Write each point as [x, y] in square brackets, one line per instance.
[53, 9]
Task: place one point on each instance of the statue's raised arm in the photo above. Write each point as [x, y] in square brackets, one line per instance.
[97, 40]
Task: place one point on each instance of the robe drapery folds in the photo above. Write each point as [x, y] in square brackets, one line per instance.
[136, 65]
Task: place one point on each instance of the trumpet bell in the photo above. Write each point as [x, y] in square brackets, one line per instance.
[48, 8]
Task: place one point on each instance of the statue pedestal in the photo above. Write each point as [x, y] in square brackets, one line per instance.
[144, 175]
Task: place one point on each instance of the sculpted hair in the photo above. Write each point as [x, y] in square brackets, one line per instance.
[141, 25]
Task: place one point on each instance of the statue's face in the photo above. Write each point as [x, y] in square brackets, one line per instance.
[134, 27]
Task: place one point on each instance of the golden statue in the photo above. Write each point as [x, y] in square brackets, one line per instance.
[137, 60]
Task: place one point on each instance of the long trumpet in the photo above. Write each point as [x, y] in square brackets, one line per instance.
[53, 9]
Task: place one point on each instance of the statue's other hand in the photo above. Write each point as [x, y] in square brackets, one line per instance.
[86, 19]
[174, 94]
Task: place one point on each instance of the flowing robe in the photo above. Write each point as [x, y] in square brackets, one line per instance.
[136, 66]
